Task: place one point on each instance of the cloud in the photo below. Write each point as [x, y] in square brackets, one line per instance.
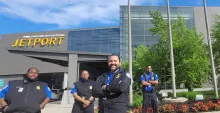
[67, 12]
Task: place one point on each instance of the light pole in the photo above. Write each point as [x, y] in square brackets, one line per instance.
[210, 52]
[171, 51]
[130, 54]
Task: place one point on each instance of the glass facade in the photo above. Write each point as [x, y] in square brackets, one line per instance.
[141, 23]
[106, 40]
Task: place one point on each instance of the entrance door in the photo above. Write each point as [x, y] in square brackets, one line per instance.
[95, 68]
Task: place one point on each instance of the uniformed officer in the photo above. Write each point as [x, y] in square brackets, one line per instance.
[149, 80]
[98, 92]
[27, 95]
[82, 93]
[116, 88]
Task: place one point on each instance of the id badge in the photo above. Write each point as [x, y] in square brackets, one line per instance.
[20, 89]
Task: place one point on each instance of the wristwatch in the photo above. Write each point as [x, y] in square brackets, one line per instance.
[3, 107]
[91, 101]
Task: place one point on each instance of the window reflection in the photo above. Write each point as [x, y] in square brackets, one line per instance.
[95, 40]
[141, 23]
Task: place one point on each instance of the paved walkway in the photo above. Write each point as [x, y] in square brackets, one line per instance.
[57, 108]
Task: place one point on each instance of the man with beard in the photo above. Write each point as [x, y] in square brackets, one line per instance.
[27, 95]
[116, 87]
[149, 81]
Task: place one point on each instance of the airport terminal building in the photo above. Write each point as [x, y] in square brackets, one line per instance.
[60, 55]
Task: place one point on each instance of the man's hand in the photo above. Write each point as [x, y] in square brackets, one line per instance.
[41, 107]
[86, 103]
[153, 81]
[146, 83]
[6, 107]
[103, 87]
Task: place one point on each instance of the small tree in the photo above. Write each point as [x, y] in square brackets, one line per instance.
[190, 54]
[216, 42]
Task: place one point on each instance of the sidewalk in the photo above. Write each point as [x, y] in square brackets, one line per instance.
[57, 108]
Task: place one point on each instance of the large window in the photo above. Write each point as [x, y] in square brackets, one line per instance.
[141, 23]
[95, 40]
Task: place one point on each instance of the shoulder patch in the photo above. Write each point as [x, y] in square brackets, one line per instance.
[4, 87]
[128, 75]
[48, 88]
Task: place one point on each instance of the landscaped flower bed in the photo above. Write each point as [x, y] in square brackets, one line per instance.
[189, 106]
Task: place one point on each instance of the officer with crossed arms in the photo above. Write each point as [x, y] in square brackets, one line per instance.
[114, 85]
[149, 81]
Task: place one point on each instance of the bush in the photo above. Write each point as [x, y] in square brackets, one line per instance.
[137, 100]
[189, 95]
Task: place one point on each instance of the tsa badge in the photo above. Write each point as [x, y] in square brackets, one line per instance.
[20, 89]
[152, 78]
[38, 87]
[118, 75]
[90, 87]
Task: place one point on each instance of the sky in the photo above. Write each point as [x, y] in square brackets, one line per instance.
[18, 16]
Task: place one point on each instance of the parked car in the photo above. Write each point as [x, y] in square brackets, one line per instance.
[57, 94]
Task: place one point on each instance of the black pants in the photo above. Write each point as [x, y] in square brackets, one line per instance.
[150, 99]
[78, 108]
[101, 105]
[115, 108]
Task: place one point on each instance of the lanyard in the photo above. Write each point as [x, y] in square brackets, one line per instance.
[109, 78]
[146, 75]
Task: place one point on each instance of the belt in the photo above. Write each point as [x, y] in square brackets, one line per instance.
[112, 94]
[104, 98]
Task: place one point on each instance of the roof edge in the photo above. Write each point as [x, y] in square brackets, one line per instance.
[57, 51]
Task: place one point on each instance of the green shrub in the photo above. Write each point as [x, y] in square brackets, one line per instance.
[137, 100]
[189, 95]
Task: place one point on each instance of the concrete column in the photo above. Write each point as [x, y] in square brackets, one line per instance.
[65, 80]
[78, 70]
[72, 77]
[72, 70]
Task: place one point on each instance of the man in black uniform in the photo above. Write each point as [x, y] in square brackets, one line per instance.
[82, 93]
[116, 89]
[149, 80]
[102, 96]
[27, 95]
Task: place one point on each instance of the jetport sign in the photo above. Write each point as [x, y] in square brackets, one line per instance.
[42, 40]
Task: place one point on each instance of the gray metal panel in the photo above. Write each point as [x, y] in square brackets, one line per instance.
[17, 64]
[200, 18]
[60, 55]
[56, 56]
[56, 51]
